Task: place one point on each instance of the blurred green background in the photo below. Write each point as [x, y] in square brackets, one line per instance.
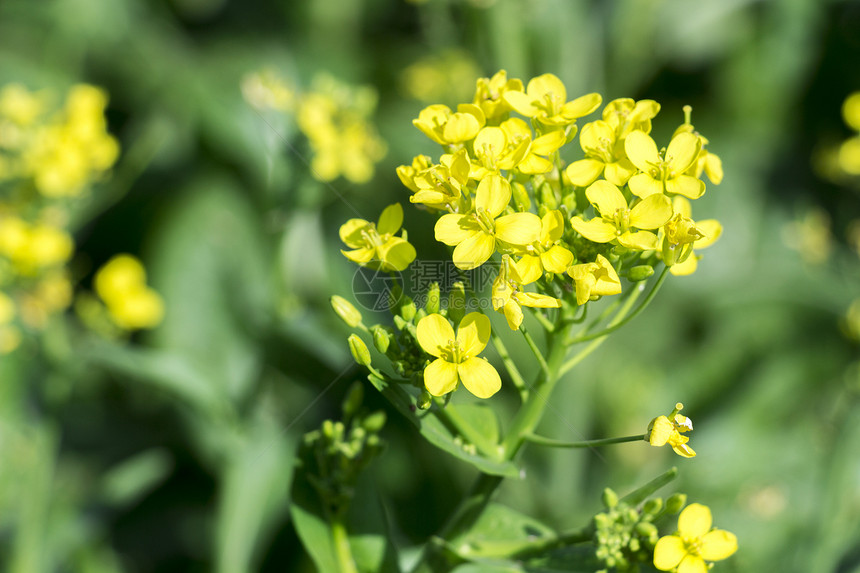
[175, 452]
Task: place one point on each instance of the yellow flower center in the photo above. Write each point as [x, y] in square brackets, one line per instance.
[485, 221]
[551, 103]
[693, 545]
[621, 220]
[453, 353]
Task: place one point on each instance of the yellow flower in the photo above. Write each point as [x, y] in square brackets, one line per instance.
[681, 236]
[457, 356]
[545, 99]
[20, 105]
[667, 430]
[445, 127]
[408, 173]
[441, 186]
[664, 173]
[546, 255]
[594, 279]
[625, 115]
[121, 284]
[618, 222]
[477, 234]
[604, 155]
[508, 294]
[494, 151]
[535, 159]
[695, 544]
[851, 111]
[490, 94]
[374, 245]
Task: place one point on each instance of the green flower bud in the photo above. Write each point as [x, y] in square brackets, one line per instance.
[457, 302]
[381, 338]
[648, 531]
[359, 350]
[640, 273]
[652, 506]
[521, 196]
[424, 400]
[675, 502]
[547, 196]
[408, 309]
[328, 429]
[358, 434]
[610, 498]
[399, 322]
[344, 309]
[433, 299]
[374, 422]
[353, 399]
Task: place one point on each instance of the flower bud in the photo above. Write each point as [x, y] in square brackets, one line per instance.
[647, 530]
[521, 196]
[424, 400]
[344, 309]
[408, 309]
[652, 506]
[457, 302]
[675, 502]
[640, 273]
[359, 350]
[547, 196]
[433, 299]
[610, 498]
[381, 338]
[374, 422]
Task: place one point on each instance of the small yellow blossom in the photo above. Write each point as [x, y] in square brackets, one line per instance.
[266, 89]
[619, 222]
[667, 430]
[440, 77]
[495, 151]
[508, 294]
[545, 99]
[545, 255]
[681, 236]
[695, 544]
[445, 127]
[441, 186]
[477, 234]
[490, 94]
[121, 284]
[851, 111]
[374, 245]
[625, 115]
[666, 172]
[457, 356]
[594, 279]
[535, 160]
[604, 156]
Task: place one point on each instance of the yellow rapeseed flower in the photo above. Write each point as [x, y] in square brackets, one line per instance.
[490, 94]
[666, 172]
[664, 430]
[121, 284]
[509, 296]
[457, 355]
[604, 155]
[695, 544]
[682, 236]
[594, 279]
[374, 245]
[625, 115]
[478, 233]
[445, 127]
[545, 99]
[545, 255]
[618, 222]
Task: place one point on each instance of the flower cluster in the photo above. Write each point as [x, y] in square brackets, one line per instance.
[51, 153]
[501, 186]
[694, 544]
[332, 115]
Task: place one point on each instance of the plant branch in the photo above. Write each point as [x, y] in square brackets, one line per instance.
[543, 441]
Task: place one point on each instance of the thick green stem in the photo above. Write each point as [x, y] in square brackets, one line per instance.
[345, 561]
[542, 441]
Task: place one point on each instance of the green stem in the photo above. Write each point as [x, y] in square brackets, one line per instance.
[513, 371]
[535, 350]
[543, 441]
[345, 561]
[619, 323]
[544, 321]
[565, 539]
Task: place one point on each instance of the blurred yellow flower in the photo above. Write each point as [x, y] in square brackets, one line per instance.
[851, 111]
[440, 77]
[121, 284]
[457, 356]
[667, 430]
[374, 245]
[695, 544]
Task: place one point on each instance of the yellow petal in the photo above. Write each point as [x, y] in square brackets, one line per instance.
[695, 520]
[473, 333]
[490, 140]
[669, 552]
[479, 377]
[461, 127]
[606, 197]
[390, 220]
[516, 128]
[596, 230]
[535, 300]
[453, 229]
[652, 212]
[641, 150]
[640, 240]
[594, 134]
[683, 150]
[440, 377]
[350, 233]
[430, 198]
[692, 564]
[493, 194]
[552, 226]
[607, 281]
[643, 185]
[513, 314]
[584, 172]
[685, 268]
[682, 206]
[718, 544]
[619, 172]
[581, 106]
[521, 103]
[557, 259]
[434, 334]
[687, 186]
[547, 85]
[518, 228]
[360, 256]
[714, 168]
[548, 143]
[396, 254]
[530, 270]
[474, 251]
[534, 164]
[683, 450]
[712, 230]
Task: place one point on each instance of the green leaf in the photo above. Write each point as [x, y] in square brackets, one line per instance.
[311, 525]
[440, 435]
[131, 479]
[501, 532]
